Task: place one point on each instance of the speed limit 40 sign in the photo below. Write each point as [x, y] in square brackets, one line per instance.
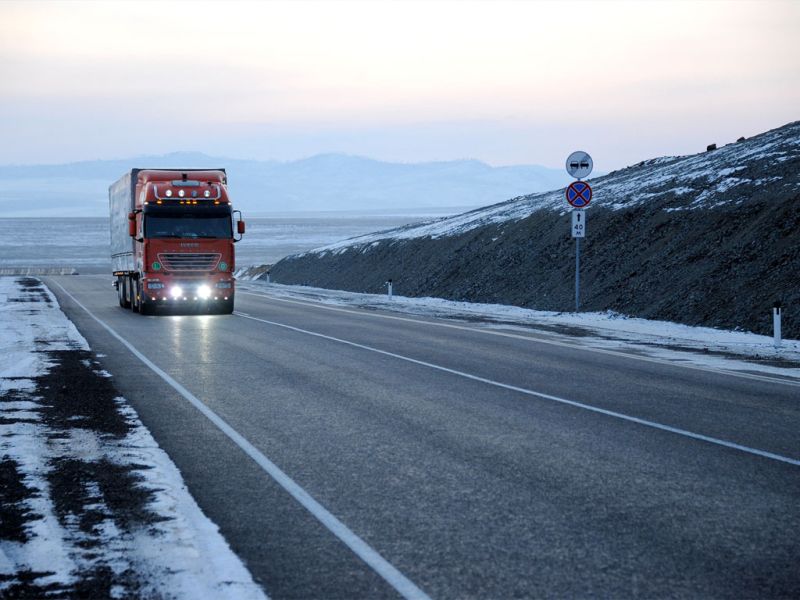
[578, 223]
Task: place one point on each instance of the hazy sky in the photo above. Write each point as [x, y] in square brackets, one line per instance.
[504, 82]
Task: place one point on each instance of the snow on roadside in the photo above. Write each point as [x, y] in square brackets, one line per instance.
[684, 344]
[91, 506]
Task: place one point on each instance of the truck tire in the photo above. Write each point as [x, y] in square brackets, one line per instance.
[225, 307]
[130, 294]
[147, 308]
[122, 292]
[135, 303]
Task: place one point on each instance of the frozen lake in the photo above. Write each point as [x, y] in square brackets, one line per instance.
[83, 243]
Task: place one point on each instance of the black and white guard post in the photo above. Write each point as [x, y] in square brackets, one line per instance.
[389, 288]
[776, 323]
[579, 195]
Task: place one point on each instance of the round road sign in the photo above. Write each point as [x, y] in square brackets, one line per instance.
[579, 164]
[579, 194]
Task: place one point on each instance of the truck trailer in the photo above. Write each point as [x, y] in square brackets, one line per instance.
[172, 237]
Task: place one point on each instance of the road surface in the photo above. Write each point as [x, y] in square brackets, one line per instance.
[357, 454]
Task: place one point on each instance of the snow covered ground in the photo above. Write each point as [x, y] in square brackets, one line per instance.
[90, 505]
[703, 347]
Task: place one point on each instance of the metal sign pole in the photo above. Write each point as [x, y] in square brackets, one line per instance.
[579, 195]
[577, 273]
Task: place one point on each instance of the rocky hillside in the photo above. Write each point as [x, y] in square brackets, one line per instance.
[709, 239]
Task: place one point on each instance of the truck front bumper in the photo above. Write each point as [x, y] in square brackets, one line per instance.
[177, 291]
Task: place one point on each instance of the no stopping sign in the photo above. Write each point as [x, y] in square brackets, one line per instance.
[579, 194]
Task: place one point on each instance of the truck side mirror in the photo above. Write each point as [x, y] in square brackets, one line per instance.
[132, 224]
[237, 216]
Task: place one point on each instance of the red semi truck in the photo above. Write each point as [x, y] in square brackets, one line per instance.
[172, 236]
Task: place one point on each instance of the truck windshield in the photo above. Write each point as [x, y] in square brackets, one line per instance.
[187, 226]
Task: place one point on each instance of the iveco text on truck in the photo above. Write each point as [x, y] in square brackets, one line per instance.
[172, 236]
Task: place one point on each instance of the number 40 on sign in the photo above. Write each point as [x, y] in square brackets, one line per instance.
[578, 223]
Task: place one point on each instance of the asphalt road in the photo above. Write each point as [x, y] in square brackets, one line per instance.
[457, 463]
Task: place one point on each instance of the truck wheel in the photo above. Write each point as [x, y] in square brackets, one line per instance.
[225, 307]
[122, 292]
[135, 303]
[130, 291]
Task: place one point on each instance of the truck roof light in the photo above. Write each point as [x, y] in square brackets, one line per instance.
[168, 193]
[207, 193]
[181, 193]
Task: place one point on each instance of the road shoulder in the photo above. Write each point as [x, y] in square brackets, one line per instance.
[91, 506]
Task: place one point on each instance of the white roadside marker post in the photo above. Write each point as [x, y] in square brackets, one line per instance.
[776, 323]
[389, 288]
[268, 281]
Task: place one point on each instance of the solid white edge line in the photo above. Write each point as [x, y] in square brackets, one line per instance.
[595, 409]
[650, 359]
[402, 584]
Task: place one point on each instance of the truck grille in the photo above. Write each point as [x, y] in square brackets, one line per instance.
[189, 261]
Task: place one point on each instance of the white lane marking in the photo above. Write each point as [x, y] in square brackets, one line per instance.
[650, 359]
[514, 388]
[402, 584]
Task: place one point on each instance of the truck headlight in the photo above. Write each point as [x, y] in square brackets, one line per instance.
[204, 292]
[176, 292]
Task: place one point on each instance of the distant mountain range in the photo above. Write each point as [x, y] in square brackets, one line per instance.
[326, 182]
